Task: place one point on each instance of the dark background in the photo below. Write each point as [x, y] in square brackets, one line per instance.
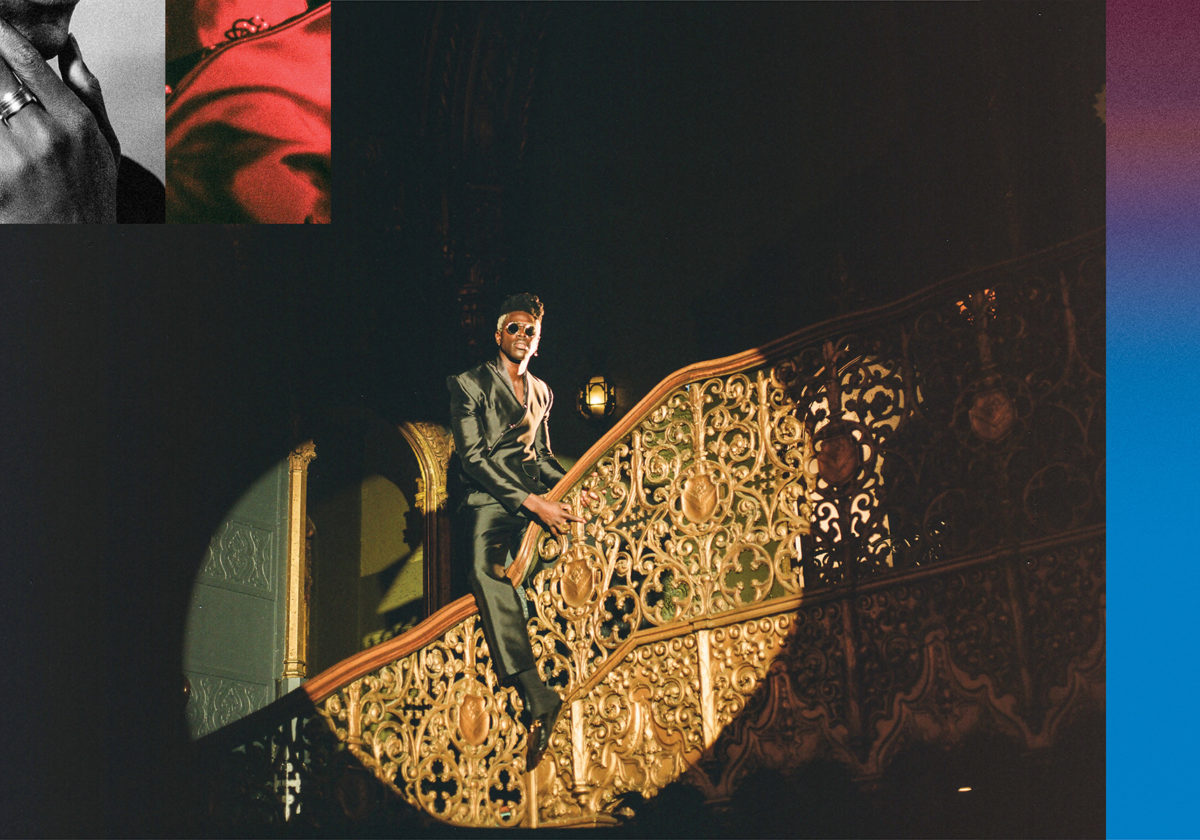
[677, 181]
[684, 181]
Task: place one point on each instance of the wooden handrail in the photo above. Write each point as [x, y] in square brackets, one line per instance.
[364, 662]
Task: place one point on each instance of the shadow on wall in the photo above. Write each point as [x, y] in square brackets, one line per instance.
[1057, 793]
[367, 560]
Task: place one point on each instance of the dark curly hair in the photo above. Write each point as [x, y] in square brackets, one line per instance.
[523, 302]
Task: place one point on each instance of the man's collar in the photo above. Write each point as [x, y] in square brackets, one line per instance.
[497, 364]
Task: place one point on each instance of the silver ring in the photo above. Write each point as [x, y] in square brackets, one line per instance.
[12, 102]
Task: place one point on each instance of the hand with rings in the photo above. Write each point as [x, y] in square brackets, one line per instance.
[58, 153]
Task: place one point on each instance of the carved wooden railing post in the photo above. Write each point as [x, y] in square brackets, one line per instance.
[295, 659]
[708, 698]
[578, 753]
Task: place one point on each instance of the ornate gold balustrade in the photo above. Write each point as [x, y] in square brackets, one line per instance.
[881, 529]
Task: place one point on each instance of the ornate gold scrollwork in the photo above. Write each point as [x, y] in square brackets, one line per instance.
[701, 493]
[992, 414]
[433, 446]
[438, 729]
[473, 719]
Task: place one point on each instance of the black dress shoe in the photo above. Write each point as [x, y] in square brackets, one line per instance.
[539, 735]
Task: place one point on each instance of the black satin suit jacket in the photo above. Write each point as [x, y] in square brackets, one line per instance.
[502, 448]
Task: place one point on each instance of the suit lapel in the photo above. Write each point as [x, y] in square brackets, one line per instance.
[505, 387]
[537, 395]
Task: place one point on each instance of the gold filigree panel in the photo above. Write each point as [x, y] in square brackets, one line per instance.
[437, 728]
[641, 726]
[701, 510]
[740, 657]
[433, 446]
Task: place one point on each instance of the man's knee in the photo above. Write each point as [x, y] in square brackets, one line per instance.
[491, 559]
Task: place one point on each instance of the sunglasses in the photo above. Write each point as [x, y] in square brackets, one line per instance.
[512, 328]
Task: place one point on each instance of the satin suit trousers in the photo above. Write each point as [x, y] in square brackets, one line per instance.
[490, 536]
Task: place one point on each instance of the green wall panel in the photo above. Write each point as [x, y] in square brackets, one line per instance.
[233, 645]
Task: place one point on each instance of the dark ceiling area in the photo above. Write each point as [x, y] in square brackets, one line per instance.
[684, 181]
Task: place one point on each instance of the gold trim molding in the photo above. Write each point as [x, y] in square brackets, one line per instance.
[432, 445]
[295, 660]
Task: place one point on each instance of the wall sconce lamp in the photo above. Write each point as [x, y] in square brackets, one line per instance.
[597, 398]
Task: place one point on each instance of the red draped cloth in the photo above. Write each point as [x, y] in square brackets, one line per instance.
[248, 129]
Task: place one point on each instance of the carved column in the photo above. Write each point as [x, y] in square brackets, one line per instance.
[433, 444]
[295, 657]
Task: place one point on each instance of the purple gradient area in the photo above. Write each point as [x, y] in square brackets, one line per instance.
[1152, 50]
[1153, 180]
[1153, 288]
[1153, 98]
[1153, 305]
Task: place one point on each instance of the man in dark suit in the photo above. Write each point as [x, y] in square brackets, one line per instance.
[499, 413]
